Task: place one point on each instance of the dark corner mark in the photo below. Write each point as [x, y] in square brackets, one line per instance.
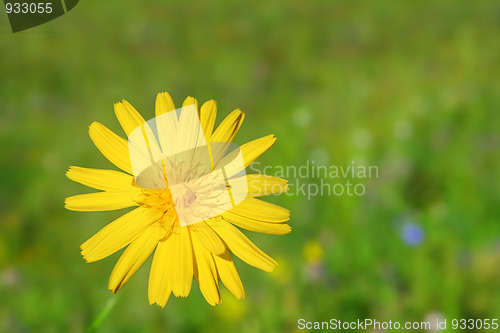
[26, 14]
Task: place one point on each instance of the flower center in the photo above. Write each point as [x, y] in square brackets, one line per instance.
[184, 196]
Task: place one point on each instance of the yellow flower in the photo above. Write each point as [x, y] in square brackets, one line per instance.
[180, 251]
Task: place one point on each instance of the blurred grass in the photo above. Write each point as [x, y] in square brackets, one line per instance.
[411, 87]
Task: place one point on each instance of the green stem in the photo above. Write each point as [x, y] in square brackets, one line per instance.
[104, 313]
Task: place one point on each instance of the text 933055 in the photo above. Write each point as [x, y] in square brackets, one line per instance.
[28, 7]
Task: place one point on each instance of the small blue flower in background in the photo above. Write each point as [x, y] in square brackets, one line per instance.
[412, 233]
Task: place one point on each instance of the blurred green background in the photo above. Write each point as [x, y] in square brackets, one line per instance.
[409, 86]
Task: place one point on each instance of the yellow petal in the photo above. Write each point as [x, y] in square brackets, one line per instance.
[102, 201]
[232, 163]
[101, 179]
[146, 150]
[164, 104]
[189, 127]
[113, 147]
[260, 185]
[134, 256]
[202, 233]
[119, 233]
[229, 275]
[190, 101]
[166, 125]
[241, 246]
[257, 226]
[208, 113]
[229, 127]
[181, 273]
[159, 287]
[128, 117]
[206, 274]
[225, 133]
[256, 209]
[250, 152]
[253, 149]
